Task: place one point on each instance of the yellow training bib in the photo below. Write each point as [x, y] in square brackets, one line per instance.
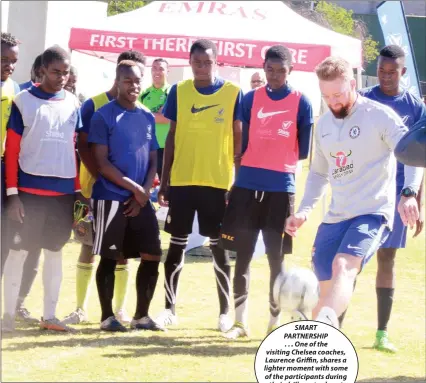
[7, 95]
[204, 141]
[86, 179]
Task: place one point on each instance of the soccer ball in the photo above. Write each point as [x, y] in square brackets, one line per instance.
[296, 290]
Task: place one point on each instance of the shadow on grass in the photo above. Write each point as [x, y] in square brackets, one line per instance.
[188, 345]
[399, 379]
[202, 350]
[200, 254]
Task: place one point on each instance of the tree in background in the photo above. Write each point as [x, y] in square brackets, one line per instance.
[340, 20]
[119, 6]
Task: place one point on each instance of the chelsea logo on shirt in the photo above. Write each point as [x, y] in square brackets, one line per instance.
[354, 132]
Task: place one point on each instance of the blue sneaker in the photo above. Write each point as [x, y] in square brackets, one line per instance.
[113, 325]
[146, 323]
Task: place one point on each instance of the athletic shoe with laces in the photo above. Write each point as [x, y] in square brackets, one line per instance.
[56, 325]
[225, 323]
[76, 317]
[123, 317]
[22, 314]
[382, 342]
[7, 323]
[167, 318]
[146, 323]
[237, 331]
[113, 325]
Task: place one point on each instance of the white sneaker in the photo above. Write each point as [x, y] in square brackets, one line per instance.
[76, 317]
[225, 323]
[167, 318]
[237, 331]
[123, 317]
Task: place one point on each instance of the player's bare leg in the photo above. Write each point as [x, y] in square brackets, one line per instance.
[345, 269]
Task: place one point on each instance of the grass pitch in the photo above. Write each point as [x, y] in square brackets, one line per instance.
[195, 351]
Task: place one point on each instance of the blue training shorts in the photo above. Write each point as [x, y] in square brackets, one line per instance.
[398, 236]
[359, 236]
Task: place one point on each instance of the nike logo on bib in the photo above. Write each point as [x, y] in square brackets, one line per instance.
[261, 114]
[197, 110]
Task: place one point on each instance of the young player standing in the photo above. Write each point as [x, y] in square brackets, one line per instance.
[390, 69]
[203, 143]
[88, 174]
[279, 122]
[9, 88]
[154, 98]
[41, 179]
[122, 134]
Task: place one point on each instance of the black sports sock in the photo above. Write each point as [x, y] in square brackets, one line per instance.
[384, 306]
[105, 277]
[29, 274]
[146, 281]
[172, 269]
[222, 269]
[342, 316]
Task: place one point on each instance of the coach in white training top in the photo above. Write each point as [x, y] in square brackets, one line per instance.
[354, 143]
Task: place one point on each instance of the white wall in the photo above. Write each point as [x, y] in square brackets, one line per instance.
[40, 24]
[27, 22]
[63, 15]
[4, 15]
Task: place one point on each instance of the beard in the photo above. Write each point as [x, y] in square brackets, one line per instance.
[342, 112]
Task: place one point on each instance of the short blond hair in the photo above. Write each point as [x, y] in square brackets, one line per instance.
[334, 67]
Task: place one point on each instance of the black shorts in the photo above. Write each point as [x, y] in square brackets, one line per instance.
[116, 234]
[184, 201]
[47, 223]
[250, 211]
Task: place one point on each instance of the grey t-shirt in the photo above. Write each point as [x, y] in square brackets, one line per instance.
[355, 155]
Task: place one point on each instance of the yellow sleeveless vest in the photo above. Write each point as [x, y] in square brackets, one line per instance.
[86, 179]
[7, 95]
[204, 141]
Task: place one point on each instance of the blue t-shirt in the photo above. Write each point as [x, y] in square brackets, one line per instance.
[16, 123]
[271, 180]
[130, 137]
[410, 108]
[170, 107]
[87, 111]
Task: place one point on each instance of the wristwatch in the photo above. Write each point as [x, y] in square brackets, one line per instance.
[408, 192]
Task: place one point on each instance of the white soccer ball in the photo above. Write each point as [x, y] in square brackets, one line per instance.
[296, 289]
